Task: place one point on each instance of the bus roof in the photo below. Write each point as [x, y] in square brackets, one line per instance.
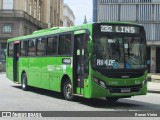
[54, 30]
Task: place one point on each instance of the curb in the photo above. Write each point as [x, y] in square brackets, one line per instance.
[155, 80]
[153, 91]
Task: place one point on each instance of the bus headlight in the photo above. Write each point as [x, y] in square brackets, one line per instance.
[102, 84]
[95, 80]
[99, 82]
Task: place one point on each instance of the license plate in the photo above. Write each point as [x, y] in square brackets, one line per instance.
[127, 90]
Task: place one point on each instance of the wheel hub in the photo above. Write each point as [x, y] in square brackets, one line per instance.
[23, 83]
[68, 90]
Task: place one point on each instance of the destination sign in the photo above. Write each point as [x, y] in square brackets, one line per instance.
[119, 29]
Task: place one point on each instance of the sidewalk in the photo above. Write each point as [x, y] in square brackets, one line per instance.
[154, 87]
[154, 83]
[155, 77]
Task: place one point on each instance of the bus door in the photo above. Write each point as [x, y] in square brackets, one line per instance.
[80, 65]
[15, 60]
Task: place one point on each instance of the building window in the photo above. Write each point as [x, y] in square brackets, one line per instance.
[55, 18]
[30, 7]
[8, 4]
[25, 30]
[51, 16]
[145, 1]
[25, 5]
[35, 8]
[40, 10]
[7, 29]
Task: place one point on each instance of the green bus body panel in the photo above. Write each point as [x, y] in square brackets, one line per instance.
[34, 72]
[47, 72]
[79, 32]
[23, 66]
[9, 68]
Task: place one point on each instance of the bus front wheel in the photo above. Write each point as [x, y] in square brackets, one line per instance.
[67, 91]
[24, 82]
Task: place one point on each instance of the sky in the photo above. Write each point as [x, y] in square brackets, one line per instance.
[81, 8]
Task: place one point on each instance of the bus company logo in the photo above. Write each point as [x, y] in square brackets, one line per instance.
[6, 114]
[115, 65]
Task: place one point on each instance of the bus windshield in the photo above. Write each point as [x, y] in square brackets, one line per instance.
[119, 52]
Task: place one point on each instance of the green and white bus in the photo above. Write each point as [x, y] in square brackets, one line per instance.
[106, 59]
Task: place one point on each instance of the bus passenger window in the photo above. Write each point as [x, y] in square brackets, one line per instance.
[52, 46]
[24, 46]
[41, 47]
[32, 48]
[64, 47]
[10, 52]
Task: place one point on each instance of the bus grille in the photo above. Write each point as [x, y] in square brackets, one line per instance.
[124, 89]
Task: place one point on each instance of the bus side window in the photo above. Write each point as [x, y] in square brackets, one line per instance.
[52, 45]
[32, 47]
[10, 51]
[64, 47]
[41, 47]
[24, 46]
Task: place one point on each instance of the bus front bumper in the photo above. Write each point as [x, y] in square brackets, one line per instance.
[114, 91]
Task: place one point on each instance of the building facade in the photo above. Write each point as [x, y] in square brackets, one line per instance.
[68, 17]
[144, 12]
[53, 12]
[22, 17]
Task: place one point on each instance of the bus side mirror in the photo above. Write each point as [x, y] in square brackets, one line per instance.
[90, 45]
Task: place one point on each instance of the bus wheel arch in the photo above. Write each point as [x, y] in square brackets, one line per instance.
[24, 81]
[67, 88]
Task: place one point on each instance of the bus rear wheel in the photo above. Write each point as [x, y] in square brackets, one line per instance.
[24, 82]
[67, 91]
[111, 100]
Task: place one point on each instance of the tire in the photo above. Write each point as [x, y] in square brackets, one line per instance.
[111, 100]
[24, 84]
[67, 91]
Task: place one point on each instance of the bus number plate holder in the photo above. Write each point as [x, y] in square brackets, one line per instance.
[125, 90]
